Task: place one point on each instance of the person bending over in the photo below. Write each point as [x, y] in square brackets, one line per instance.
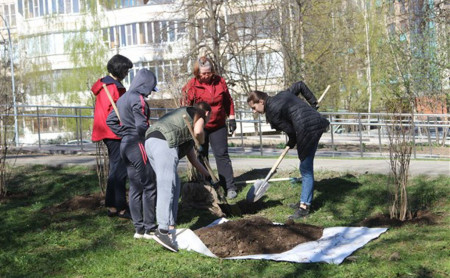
[304, 126]
[167, 141]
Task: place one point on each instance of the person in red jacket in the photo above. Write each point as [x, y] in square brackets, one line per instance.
[209, 87]
[115, 198]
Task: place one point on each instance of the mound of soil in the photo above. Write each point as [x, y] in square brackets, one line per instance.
[256, 235]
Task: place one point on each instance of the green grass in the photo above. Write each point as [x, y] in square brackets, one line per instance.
[86, 243]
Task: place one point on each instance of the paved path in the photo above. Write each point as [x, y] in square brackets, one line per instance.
[381, 166]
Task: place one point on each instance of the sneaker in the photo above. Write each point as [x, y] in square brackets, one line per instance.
[231, 194]
[300, 213]
[165, 240]
[150, 234]
[138, 236]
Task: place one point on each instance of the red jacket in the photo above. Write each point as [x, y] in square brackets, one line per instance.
[215, 94]
[103, 106]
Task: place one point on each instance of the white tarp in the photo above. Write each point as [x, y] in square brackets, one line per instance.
[333, 247]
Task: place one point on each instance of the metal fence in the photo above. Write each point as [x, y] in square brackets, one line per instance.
[39, 125]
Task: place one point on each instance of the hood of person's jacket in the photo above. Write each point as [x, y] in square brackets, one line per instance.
[98, 86]
[143, 83]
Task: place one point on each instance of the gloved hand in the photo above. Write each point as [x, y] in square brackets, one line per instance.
[231, 125]
[199, 149]
[210, 181]
[291, 143]
[316, 107]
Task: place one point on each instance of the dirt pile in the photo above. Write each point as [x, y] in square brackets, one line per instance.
[256, 235]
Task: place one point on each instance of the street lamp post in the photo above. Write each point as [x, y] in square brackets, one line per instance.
[16, 130]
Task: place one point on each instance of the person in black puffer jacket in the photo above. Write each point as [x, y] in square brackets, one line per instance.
[304, 126]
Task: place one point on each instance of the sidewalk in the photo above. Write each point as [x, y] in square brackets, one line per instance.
[359, 166]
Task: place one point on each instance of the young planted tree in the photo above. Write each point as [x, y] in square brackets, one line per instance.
[6, 118]
[414, 72]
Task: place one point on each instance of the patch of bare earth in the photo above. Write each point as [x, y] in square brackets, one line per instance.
[422, 217]
[88, 202]
[256, 235]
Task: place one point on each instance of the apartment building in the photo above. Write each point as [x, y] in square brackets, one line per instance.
[156, 34]
[161, 35]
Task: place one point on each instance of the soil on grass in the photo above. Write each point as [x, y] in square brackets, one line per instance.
[256, 235]
[88, 202]
[421, 217]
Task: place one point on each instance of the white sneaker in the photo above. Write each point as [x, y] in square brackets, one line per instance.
[139, 236]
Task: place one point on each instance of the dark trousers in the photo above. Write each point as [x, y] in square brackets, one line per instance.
[219, 144]
[116, 187]
[142, 184]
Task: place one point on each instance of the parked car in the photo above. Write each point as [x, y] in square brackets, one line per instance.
[78, 142]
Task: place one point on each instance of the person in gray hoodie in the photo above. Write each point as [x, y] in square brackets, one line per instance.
[130, 123]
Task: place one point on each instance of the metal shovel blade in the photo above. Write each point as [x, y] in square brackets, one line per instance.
[257, 191]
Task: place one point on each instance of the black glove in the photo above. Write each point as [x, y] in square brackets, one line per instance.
[291, 143]
[231, 125]
[210, 181]
[199, 149]
[315, 106]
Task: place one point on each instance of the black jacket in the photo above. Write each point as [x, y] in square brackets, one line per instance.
[302, 123]
[133, 109]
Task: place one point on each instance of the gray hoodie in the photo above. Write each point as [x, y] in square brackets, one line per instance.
[133, 109]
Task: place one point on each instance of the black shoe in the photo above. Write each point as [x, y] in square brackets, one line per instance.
[111, 214]
[300, 213]
[125, 215]
[165, 240]
[295, 205]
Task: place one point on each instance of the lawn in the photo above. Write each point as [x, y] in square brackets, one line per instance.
[42, 235]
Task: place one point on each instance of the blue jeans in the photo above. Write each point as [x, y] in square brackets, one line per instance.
[307, 172]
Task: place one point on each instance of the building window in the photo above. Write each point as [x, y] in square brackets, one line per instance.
[20, 7]
[149, 32]
[157, 30]
[181, 26]
[76, 6]
[123, 41]
[141, 33]
[164, 70]
[145, 33]
[8, 12]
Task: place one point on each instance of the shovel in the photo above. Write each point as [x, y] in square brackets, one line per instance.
[260, 187]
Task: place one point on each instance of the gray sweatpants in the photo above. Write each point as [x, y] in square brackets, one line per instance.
[164, 161]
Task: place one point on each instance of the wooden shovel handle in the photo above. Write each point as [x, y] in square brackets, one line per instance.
[191, 130]
[275, 166]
